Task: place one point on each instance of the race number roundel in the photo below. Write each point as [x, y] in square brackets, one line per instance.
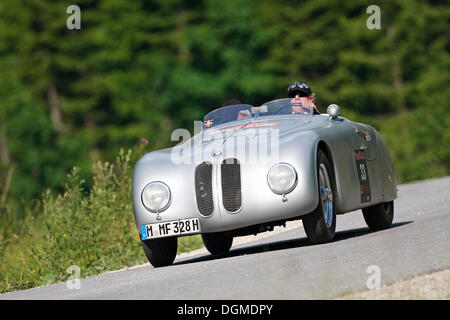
[363, 175]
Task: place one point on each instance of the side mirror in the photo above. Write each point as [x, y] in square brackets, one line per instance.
[333, 111]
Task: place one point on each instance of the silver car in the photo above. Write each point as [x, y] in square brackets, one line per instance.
[249, 169]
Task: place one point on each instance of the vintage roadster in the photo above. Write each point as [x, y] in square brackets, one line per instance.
[250, 169]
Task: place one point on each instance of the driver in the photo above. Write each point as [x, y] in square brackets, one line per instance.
[244, 114]
[301, 94]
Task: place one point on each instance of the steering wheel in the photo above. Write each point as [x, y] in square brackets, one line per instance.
[283, 109]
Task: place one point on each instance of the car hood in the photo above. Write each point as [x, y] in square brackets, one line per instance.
[241, 134]
[278, 124]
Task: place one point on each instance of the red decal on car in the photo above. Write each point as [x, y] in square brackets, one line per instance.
[360, 156]
[208, 123]
[252, 125]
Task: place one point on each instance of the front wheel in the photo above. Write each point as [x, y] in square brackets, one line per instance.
[320, 225]
[161, 252]
[217, 243]
[380, 216]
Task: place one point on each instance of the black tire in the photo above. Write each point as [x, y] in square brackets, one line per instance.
[217, 243]
[380, 216]
[161, 252]
[314, 223]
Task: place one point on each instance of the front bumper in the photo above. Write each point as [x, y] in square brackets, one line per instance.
[259, 203]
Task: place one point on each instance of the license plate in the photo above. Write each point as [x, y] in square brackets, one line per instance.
[170, 228]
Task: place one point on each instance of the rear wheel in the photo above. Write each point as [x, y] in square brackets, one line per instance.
[161, 252]
[320, 225]
[380, 216]
[217, 243]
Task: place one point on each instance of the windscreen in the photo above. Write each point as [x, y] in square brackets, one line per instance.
[288, 106]
[246, 112]
[228, 114]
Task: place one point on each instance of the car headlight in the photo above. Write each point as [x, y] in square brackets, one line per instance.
[156, 196]
[282, 178]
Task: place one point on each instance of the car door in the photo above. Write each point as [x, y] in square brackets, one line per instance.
[341, 139]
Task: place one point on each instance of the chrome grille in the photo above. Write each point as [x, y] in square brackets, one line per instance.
[231, 184]
[203, 188]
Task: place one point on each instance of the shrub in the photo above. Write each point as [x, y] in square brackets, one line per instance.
[93, 230]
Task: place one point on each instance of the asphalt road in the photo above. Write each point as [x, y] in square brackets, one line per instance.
[286, 266]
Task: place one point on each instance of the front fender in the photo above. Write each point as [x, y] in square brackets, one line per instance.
[157, 166]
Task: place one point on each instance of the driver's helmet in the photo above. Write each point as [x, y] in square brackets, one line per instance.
[300, 88]
[231, 102]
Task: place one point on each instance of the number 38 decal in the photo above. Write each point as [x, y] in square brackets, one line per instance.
[362, 167]
[363, 175]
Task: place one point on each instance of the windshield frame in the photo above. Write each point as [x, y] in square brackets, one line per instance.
[218, 111]
[282, 103]
[254, 112]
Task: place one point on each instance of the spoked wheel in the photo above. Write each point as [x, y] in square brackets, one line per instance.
[320, 225]
[326, 195]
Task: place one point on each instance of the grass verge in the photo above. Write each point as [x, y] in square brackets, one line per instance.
[93, 230]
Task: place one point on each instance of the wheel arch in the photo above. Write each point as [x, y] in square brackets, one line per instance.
[322, 145]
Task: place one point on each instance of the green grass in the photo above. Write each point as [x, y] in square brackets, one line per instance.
[93, 230]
